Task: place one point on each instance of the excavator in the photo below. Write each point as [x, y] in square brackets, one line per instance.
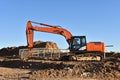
[78, 46]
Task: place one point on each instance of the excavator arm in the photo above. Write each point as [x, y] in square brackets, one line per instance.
[48, 28]
[44, 28]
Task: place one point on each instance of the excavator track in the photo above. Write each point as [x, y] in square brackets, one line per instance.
[83, 57]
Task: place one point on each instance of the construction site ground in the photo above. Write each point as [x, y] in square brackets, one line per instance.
[12, 68]
[15, 69]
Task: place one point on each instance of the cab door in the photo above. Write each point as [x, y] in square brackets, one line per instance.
[78, 43]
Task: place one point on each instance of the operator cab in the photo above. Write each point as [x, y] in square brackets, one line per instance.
[78, 43]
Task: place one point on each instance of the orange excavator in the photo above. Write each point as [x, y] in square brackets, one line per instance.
[79, 48]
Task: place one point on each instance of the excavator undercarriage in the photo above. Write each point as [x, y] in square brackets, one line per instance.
[61, 54]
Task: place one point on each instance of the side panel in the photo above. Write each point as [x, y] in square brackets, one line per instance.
[96, 46]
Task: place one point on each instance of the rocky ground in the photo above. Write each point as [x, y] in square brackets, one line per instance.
[12, 68]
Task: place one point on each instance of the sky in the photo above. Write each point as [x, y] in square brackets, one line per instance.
[98, 20]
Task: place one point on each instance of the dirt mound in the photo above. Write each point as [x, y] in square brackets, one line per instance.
[62, 70]
[65, 70]
[48, 44]
[14, 51]
[108, 70]
[93, 70]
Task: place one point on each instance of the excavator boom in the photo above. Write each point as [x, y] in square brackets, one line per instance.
[48, 28]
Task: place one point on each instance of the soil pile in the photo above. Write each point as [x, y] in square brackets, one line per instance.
[47, 70]
[48, 44]
[14, 51]
[108, 70]
[57, 70]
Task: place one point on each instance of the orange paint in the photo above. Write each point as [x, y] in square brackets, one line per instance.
[96, 46]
